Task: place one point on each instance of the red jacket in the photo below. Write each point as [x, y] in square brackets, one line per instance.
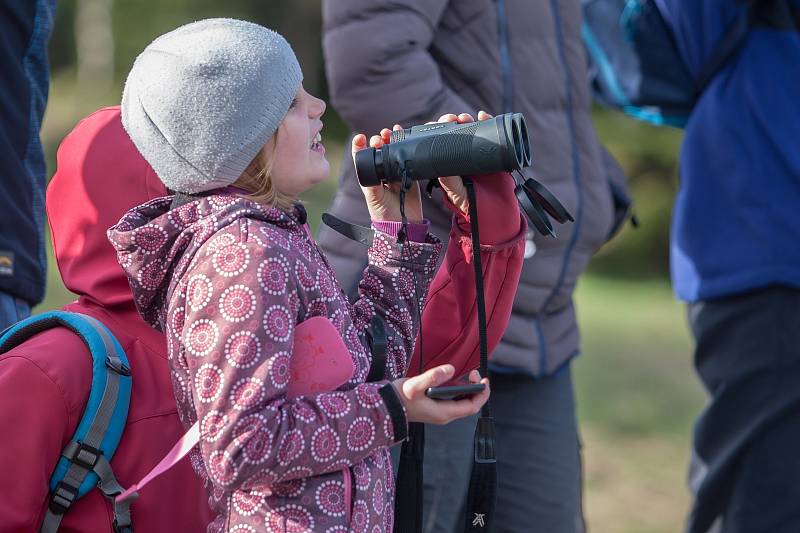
[45, 382]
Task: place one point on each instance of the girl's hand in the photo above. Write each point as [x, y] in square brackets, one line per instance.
[453, 186]
[420, 408]
[383, 201]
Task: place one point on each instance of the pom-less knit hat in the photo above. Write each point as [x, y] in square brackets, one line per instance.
[203, 99]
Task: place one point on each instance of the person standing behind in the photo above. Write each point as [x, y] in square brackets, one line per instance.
[25, 28]
[736, 261]
[407, 62]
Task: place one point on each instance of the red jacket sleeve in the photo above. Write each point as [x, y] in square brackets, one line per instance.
[34, 417]
[450, 317]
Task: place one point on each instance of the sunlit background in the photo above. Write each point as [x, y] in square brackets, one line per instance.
[637, 394]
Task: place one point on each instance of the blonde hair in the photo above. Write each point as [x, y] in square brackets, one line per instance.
[256, 179]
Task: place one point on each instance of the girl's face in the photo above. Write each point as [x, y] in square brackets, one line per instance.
[298, 161]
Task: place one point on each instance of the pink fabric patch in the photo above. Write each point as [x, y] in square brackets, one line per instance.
[320, 360]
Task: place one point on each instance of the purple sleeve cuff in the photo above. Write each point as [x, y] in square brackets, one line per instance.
[416, 232]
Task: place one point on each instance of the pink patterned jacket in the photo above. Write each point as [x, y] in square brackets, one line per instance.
[228, 280]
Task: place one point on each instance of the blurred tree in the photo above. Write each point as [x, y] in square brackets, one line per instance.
[649, 156]
[94, 40]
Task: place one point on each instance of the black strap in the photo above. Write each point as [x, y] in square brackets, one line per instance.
[376, 338]
[776, 14]
[482, 493]
[376, 333]
[408, 500]
[352, 231]
[408, 489]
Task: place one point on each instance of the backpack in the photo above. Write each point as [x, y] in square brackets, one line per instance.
[635, 64]
[84, 462]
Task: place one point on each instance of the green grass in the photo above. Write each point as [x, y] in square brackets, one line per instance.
[635, 374]
[637, 397]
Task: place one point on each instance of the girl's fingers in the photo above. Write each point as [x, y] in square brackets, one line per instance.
[483, 115]
[386, 135]
[359, 143]
[375, 141]
[449, 117]
[465, 117]
[397, 127]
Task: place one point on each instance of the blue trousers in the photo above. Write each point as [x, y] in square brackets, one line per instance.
[538, 460]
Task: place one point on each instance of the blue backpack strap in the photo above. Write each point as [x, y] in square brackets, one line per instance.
[84, 461]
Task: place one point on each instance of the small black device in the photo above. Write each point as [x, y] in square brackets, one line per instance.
[456, 392]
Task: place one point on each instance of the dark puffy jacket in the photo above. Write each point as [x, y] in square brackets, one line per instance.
[409, 61]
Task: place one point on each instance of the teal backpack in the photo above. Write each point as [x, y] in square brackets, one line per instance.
[84, 462]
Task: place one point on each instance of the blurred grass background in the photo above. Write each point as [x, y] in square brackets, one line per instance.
[637, 394]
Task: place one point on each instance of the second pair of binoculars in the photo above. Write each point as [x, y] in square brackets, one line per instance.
[499, 144]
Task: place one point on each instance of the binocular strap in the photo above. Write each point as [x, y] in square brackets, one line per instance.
[482, 493]
[408, 488]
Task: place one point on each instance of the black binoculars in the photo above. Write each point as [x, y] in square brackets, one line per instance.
[448, 149]
[500, 144]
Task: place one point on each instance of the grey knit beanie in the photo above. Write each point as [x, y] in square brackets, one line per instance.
[203, 99]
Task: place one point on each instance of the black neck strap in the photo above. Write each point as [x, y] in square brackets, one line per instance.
[482, 493]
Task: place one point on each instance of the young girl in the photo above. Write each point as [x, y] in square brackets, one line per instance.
[218, 110]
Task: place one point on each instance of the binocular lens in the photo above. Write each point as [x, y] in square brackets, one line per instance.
[519, 151]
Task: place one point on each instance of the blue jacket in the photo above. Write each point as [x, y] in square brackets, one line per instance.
[26, 28]
[736, 222]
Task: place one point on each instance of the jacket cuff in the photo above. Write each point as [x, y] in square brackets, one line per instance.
[396, 411]
[386, 252]
[416, 232]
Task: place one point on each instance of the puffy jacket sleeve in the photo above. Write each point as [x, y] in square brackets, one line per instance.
[237, 353]
[32, 439]
[450, 318]
[378, 65]
[394, 284]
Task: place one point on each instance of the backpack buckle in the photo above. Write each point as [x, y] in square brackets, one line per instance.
[117, 528]
[116, 364]
[86, 456]
[62, 497]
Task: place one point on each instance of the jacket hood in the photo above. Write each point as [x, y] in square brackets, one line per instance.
[156, 243]
[99, 176]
